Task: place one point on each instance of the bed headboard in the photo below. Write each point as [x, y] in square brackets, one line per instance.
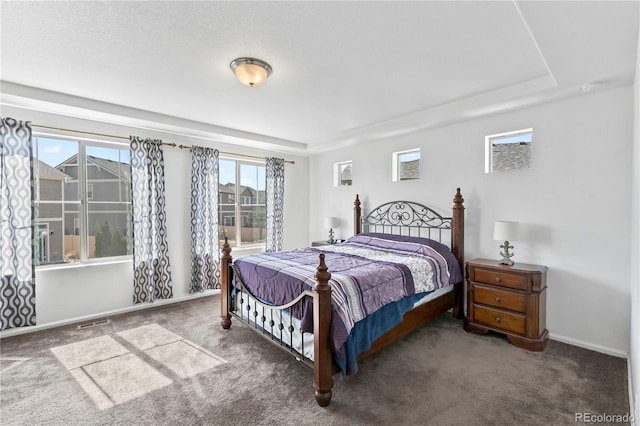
[409, 218]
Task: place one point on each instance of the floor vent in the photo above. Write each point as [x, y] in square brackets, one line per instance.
[93, 324]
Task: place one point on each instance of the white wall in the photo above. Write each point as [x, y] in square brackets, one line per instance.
[71, 292]
[573, 205]
[634, 359]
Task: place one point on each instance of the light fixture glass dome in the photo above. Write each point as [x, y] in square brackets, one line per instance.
[250, 71]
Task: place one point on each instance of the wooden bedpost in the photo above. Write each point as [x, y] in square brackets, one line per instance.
[225, 285]
[457, 248]
[357, 214]
[322, 335]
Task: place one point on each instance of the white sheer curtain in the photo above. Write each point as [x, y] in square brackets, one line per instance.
[17, 289]
[205, 242]
[151, 268]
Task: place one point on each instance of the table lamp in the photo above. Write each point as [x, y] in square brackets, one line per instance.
[330, 222]
[506, 231]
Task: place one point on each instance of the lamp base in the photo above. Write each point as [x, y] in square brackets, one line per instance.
[506, 256]
[331, 240]
[507, 262]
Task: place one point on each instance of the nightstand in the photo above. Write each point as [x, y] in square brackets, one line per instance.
[323, 243]
[508, 299]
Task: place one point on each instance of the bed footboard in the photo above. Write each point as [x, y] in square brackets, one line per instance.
[278, 323]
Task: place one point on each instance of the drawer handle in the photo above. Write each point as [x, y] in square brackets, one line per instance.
[498, 299]
[497, 279]
[497, 319]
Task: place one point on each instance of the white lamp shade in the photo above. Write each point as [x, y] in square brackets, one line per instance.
[331, 222]
[505, 231]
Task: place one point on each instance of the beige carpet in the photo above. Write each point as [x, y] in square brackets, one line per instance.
[112, 374]
[174, 365]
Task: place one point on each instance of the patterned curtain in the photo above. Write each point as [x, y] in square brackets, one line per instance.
[151, 269]
[205, 250]
[275, 203]
[17, 291]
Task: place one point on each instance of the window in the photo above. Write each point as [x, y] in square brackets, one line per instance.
[508, 151]
[251, 229]
[82, 200]
[342, 173]
[406, 165]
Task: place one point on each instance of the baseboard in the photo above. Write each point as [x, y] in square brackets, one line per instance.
[23, 330]
[591, 346]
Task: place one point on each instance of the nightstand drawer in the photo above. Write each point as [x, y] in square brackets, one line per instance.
[515, 323]
[503, 279]
[499, 298]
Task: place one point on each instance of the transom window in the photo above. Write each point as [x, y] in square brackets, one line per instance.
[82, 199]
[342, 173]
[508, 151]
[406, 165]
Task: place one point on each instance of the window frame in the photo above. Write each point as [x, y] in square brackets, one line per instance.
[396, 159]
[82, 202]
[488, 151]
[337, 173]
[239, 201]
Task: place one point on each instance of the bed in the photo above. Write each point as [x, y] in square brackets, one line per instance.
[402, 268]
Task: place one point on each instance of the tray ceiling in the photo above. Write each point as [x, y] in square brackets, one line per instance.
[343, 72]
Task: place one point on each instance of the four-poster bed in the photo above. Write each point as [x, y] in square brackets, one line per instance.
[297, 315]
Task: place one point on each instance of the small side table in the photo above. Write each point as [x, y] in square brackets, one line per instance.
[324, 243]
[509, 300]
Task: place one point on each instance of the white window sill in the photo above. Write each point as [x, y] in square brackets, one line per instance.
[244, 251]
[71, 265]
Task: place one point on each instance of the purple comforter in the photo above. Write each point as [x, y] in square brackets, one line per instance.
[368, 271]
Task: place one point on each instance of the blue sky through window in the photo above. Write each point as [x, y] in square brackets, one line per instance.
[522, 137]
[56, 151]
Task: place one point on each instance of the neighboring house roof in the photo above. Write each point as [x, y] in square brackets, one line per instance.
[117, 168]
[346, 173]
[410, 169]
[228, 188]
[247, 189]
[45, 171]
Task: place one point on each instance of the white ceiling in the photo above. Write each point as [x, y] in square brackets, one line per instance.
[343, 72]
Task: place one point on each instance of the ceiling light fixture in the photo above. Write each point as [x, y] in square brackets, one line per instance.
[250, 71]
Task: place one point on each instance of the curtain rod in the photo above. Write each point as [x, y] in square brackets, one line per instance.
[171, 144]
[174, 145]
